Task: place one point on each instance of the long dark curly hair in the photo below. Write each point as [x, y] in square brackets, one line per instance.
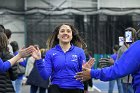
[76, 40]
[3, 42]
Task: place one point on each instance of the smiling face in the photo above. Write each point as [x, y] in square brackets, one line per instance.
[65, 34]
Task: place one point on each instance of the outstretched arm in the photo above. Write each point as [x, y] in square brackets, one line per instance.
[22, 53]
[127, 64]
[44, 66]
[4, 66]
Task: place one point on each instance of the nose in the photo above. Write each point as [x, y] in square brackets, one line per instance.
[65, 32]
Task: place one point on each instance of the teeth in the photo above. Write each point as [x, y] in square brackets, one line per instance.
[65, 37]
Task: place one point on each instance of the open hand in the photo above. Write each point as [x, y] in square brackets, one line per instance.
[36, 54]
[24, 52]
[83, 75]
[89, 64]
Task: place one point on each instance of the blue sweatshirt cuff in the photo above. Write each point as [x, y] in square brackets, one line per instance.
[94, 73]
[8, 64]
[5, 66]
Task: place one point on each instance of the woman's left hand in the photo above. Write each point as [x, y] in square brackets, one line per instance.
[36, 54]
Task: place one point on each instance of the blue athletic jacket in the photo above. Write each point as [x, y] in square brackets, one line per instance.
[62, 67]
[4, 66]
[129, 63]
[114, 56]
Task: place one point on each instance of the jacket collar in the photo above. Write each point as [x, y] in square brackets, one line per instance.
[58, 47]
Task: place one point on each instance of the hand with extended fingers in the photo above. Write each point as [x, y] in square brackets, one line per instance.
[36, 54]
[24, 52]
[85, 73]
[89, 64]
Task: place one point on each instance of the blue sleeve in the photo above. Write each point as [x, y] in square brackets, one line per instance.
[45, 66]
[128, 63]
[23, 63]
[114, 56]
[4, 66]
[111, 56]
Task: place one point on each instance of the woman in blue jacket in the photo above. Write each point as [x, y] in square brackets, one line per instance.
[63, 60]
[129, 63]
[4, 66]
[7, 70]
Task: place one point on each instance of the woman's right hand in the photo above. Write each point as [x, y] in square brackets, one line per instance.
[89, 64]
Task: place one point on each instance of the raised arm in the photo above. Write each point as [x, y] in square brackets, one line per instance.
[4, 66]
[127, 64]
[44, 66]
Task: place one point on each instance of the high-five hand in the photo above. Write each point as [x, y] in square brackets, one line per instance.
[24, 52]
[36, 54]
[89, 64]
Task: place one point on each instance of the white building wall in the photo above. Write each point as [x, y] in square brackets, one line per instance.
[16, 23]
[119, 3]
[84, 3]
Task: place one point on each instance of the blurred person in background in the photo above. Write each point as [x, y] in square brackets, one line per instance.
[18, 82]
[8, 33]
[112, 60]
[127, 80]
[128, 63]
[6, 83]
[7, 72]
[2, 28]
